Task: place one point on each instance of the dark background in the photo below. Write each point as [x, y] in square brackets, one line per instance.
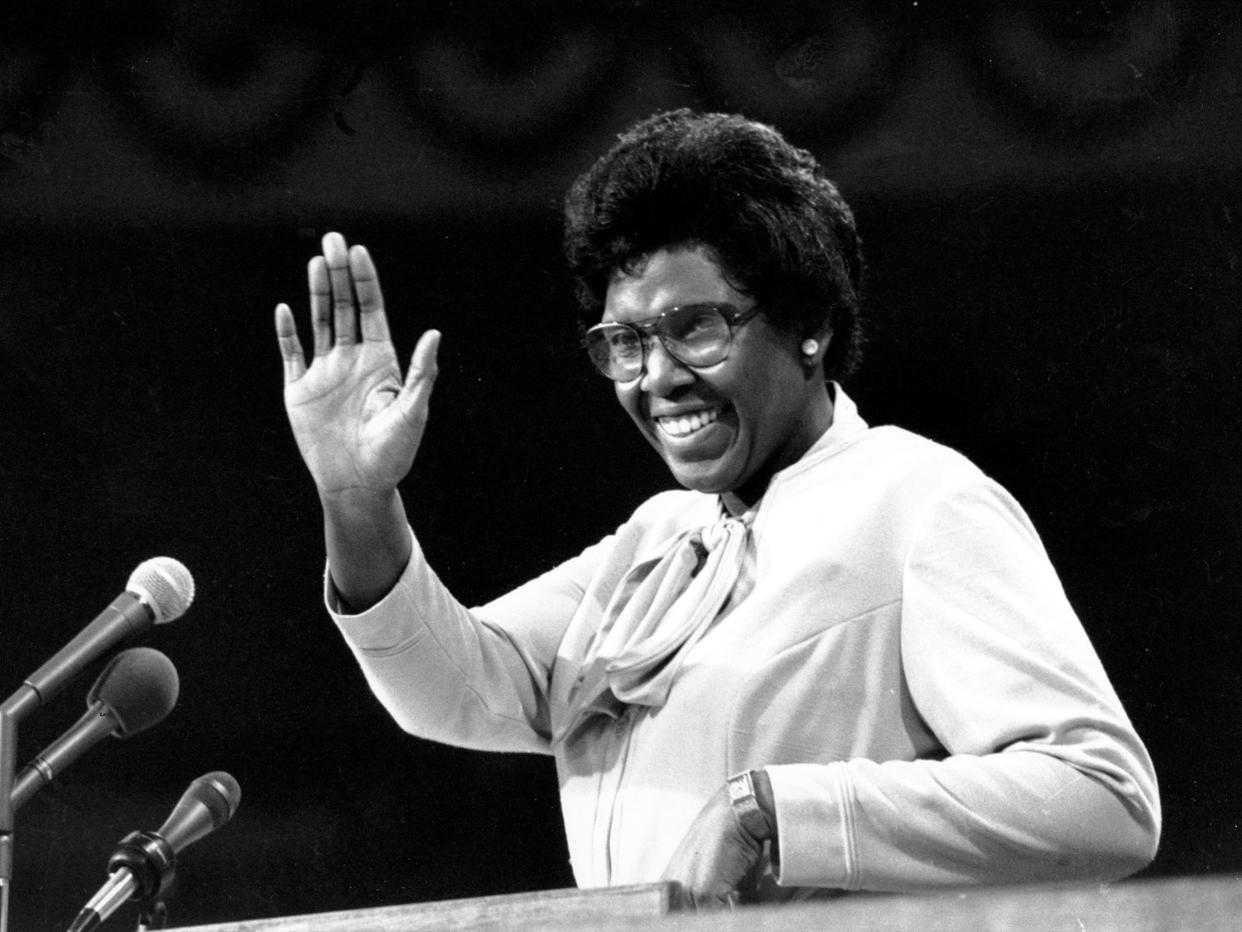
[1050, 196]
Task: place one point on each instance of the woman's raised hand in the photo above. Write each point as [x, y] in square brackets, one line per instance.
[357, 423]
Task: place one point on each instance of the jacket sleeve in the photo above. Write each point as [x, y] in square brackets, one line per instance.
[474, 678]
[1044, 778]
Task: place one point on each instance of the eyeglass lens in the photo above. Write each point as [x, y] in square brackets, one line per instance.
[696, 335]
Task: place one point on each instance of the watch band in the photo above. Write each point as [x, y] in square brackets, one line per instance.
[750, 814]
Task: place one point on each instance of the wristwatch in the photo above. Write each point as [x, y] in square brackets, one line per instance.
[747, 809]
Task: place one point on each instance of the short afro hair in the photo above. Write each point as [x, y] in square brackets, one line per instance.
[779, 229]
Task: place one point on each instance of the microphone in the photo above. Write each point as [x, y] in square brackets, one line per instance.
[135, 691]
[144, 862]
[158, 591]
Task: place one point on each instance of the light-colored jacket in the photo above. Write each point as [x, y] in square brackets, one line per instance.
[902, 659]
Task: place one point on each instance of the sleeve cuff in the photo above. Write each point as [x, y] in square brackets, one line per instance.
[385, 625]
[817, 845]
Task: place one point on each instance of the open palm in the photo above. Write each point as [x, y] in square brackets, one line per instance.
[357, 423]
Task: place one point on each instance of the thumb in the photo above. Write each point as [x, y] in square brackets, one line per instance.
[420, 379]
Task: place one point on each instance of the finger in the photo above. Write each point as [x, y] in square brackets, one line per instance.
[290, 345]
[680, 897]
[320, 304]
[419, 381]
[336, 256]
[371, 316]
[705, 901]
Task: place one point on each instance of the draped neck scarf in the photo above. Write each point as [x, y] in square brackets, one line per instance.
[665, 604]
[661, 608]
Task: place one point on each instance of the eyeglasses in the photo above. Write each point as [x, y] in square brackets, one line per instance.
[695, 335]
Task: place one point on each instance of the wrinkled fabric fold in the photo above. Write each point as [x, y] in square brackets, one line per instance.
[661, 609]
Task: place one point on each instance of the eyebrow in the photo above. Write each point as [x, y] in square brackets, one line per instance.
[727, 306]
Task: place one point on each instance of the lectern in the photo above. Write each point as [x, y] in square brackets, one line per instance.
[1198, 903]
[555, 909]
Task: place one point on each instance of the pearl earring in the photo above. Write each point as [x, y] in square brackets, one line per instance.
[810, 347]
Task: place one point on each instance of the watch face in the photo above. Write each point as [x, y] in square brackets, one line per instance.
[746, 807]
[740, 787]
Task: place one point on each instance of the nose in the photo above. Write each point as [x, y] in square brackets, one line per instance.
[663, 373]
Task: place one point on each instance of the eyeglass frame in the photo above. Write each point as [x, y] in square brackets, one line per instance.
[645, 330]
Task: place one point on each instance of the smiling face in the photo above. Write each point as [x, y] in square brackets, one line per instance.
[725, 428]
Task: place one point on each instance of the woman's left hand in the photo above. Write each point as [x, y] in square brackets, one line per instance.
[715, 862]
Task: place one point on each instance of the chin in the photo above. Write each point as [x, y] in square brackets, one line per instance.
[697, 479]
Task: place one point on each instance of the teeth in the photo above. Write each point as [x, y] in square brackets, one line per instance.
[687, 424]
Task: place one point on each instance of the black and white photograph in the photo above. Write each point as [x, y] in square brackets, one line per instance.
[632, 465]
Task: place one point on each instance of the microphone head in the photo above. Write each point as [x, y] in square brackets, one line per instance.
[165, 585]
[208, 803]
[219, 792]
[140, 686]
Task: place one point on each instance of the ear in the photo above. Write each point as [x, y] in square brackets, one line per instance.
[814, 348]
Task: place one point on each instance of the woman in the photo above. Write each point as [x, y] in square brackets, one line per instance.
[838, 659]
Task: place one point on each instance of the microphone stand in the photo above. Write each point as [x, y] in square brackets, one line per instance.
[8, 766]
[154, 916]
[12, 710]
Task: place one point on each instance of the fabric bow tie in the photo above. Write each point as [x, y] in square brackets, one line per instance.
[662, 607]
